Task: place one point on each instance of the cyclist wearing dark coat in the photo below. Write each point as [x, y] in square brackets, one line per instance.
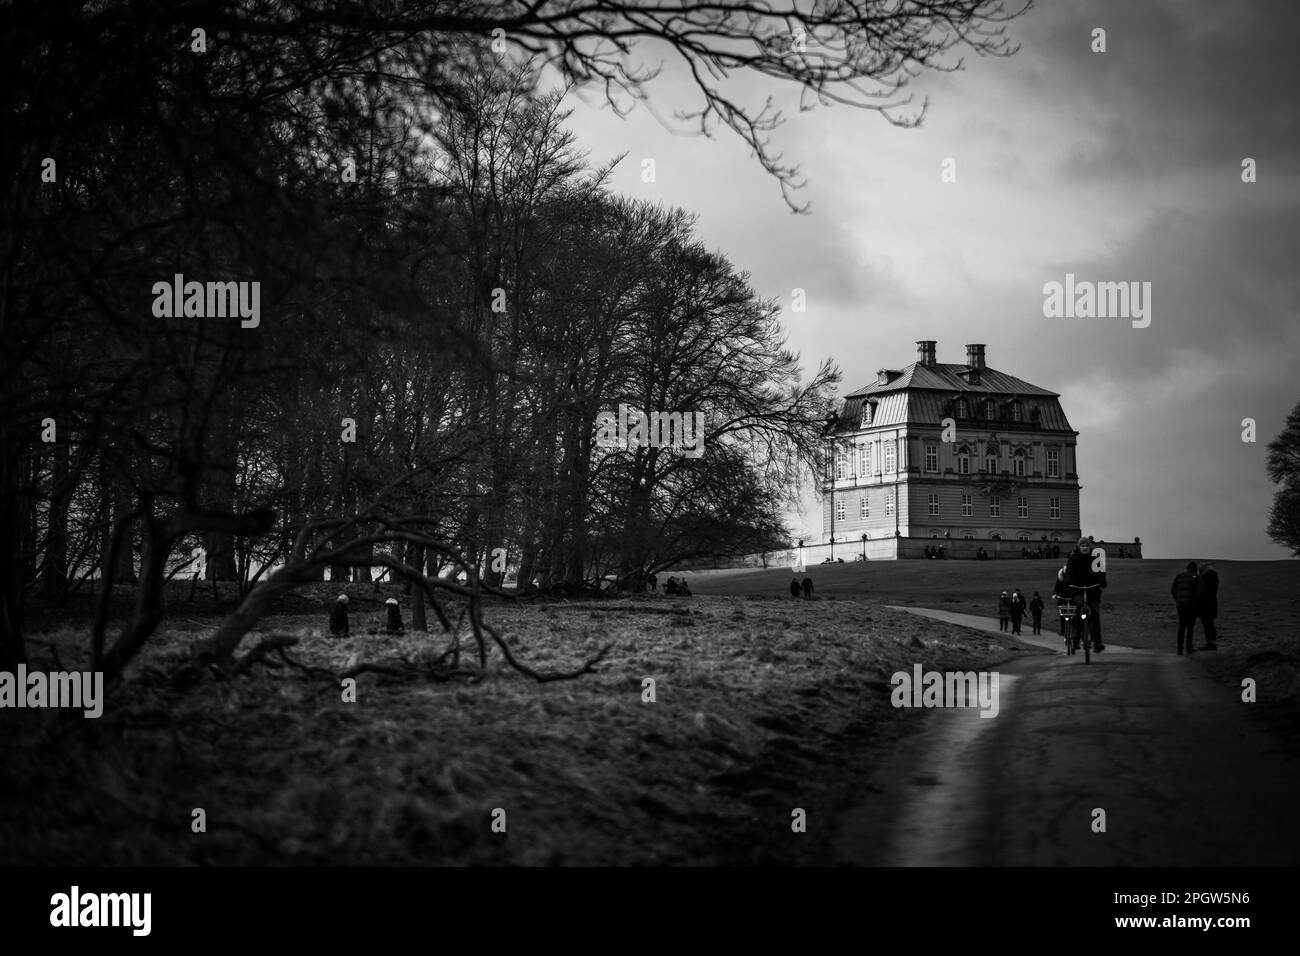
[1079, 572]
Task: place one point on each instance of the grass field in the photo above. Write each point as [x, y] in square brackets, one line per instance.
[763, 704]
[1259, 601]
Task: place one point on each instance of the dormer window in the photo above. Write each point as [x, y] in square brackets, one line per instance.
[961, 409]
[868, 412]
[990, 409]
[1017, 412]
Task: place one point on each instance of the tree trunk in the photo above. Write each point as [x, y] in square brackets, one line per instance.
[54, 573]
[12, 649]
[418, 620]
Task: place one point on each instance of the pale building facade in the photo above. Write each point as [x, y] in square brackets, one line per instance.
[959, 452]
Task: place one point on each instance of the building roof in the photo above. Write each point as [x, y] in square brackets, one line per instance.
[952, 378]
[922, 394]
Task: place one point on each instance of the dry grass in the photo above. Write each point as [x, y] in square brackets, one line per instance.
[762, 706]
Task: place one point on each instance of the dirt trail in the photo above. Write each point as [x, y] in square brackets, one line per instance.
[1168, 753]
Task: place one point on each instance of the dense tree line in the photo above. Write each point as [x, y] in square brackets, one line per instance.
[449, 295]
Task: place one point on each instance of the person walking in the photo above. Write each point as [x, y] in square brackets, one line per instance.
[339, 617]
[1004, 611]
[1207, 602]
[1184, 593]
[807, 587]
[1017, 610]
[794, 587]
[393, 617]
[1036, 612]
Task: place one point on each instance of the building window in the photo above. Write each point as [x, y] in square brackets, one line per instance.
[889, 504]
[1023, 536]
[841, 463]
[1018, 463]
[995, 507]
[961, 409]
[890, 457]
[990, 409]
[839, 510]
[1054, 507]
[995, 536]
[866, 414]
[965, 506]
[1022, 508]
[934, 503]
[1053, 463]
[936, 533]
[864, 460]
[963, 461]
[991, 464]
[967, 536]
[931, 457]
[1017, 412]
[1056, 537]
[865, 508]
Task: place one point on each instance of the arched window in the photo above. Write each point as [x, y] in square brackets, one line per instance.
[867, 413]
[1018, 463]
[963, 460]
[995, 536]
[991, 459]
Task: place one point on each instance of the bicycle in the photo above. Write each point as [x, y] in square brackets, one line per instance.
[1075, 614]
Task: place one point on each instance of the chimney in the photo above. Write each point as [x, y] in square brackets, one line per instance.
[975, 356]
[925, 351]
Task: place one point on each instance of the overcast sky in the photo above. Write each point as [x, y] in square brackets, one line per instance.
[1123, 165]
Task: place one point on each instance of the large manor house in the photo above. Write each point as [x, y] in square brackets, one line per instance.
[962, 453]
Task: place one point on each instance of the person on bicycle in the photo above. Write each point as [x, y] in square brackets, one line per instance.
[1079, 572]
[1061, 595]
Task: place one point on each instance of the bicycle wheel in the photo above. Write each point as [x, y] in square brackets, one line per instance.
[1086, 637]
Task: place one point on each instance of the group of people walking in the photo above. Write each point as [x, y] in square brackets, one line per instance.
[801, 588]
[1196, 595]
[1011, 608]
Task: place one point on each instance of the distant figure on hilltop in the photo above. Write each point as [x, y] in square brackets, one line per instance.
[339, 617]
[1184, 593]
[795, 590]
[1207, 602]
[807, 587]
